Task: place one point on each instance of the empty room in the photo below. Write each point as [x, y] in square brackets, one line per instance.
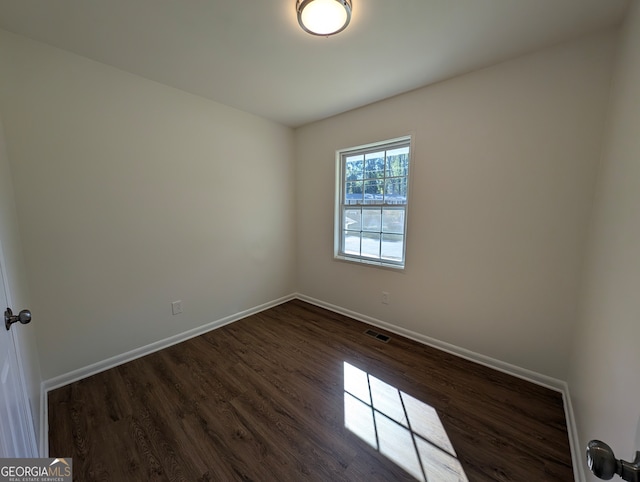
[320, 240]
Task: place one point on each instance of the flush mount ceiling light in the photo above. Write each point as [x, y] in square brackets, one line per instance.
[323, 17]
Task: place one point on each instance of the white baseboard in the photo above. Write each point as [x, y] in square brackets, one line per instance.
[577, 453]
[94, 368]
[531, 376]
[523, 373]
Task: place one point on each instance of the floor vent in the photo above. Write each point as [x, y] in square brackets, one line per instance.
[377, 336]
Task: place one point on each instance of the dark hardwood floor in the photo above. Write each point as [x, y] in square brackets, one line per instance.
[299, 393]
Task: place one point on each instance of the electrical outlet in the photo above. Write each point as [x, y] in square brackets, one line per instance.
[176, 307]
[385, 297]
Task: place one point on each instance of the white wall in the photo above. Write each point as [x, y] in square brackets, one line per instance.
[503, 172]
[132, 195]
[25, 335]
[604, 380]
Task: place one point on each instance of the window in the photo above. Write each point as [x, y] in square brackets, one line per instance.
[371, 218]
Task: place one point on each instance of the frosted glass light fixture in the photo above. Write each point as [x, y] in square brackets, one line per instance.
[323, 17]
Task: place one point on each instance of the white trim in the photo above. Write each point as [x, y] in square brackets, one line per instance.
[94, 368]
[44, 422]
[523, 373]
[339, 249]
[26, 410]
[577, 454]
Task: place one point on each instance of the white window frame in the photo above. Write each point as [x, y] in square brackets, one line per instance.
[340, 250]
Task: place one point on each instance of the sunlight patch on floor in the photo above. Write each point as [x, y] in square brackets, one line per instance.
[404, 429]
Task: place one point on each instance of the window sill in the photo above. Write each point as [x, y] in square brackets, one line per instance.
[369, 262]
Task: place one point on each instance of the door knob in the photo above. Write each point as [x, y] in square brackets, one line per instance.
[604, 464]
[23, 317]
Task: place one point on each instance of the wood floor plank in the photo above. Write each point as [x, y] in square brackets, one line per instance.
[301, 393]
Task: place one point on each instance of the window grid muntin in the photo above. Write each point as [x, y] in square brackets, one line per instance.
[360, 155]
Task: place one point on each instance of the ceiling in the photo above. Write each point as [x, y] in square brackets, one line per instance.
[252, 54]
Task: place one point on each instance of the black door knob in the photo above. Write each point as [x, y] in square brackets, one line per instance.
[23, 317]
[601, 460]
[603, 463]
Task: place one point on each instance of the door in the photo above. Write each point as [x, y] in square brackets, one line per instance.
[17, 438]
